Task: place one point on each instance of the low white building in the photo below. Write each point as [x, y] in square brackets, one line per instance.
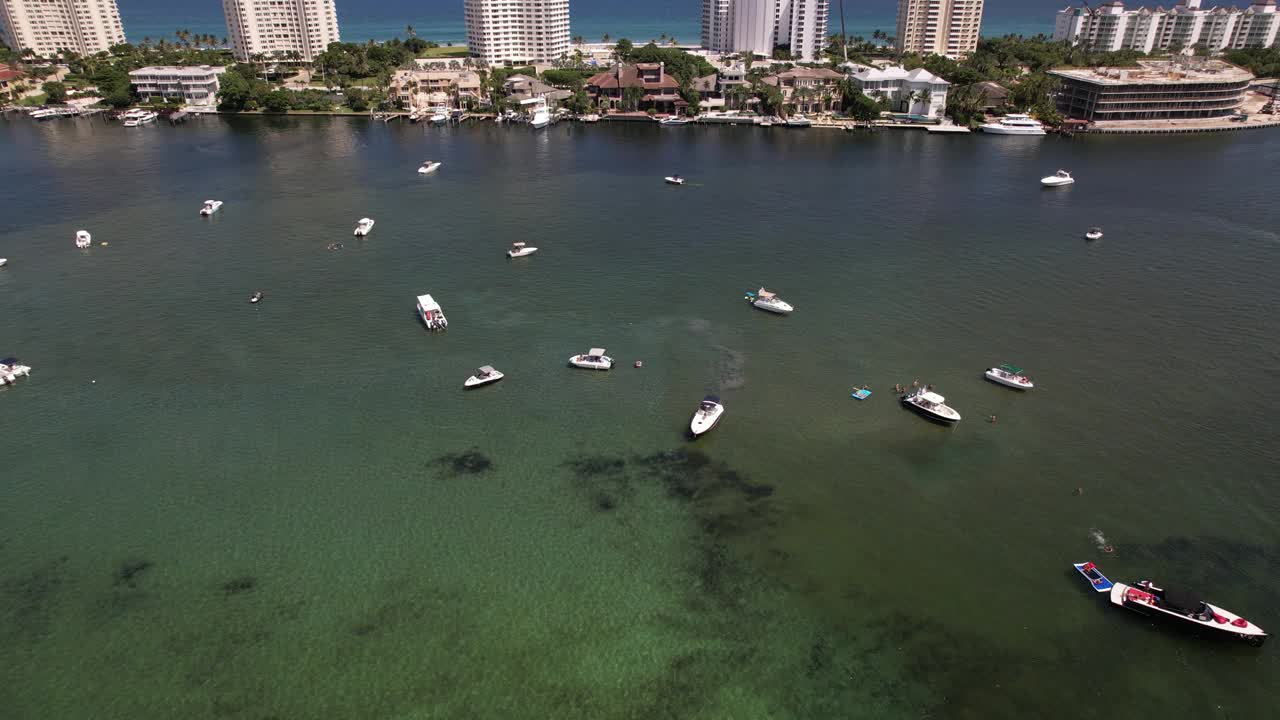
[197, 84]
[918, 92]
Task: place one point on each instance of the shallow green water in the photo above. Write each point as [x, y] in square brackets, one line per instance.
[292, 510]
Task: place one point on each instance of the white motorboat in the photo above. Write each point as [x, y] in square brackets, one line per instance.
[519, 249]
[540, 119]
[439, 116]
[766, 300]
[674, 180]
[136, 118]
[1187, 607]
[256, 297]
[766, 122]
[1014, 124]
[11, 369]
[590, 118]
[363, 227]
[799, 121]
[83, 239]
[707, 415]
[4, 261]
[210, 207]
[429, 166]
[484, 375]
[431, 313]
[1058, 179]
[675, 120]
[931, 405]
[1009, 376]
[593, 359]
[1094, 233]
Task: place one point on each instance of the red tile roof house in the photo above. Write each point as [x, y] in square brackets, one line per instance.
[9, 78]
[658, 88]
[808, 89]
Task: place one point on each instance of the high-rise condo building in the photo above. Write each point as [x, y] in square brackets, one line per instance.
[759, 26]
[517, 32]
[939, 27]
[47, 26]
[275, 28]
[1184, 27]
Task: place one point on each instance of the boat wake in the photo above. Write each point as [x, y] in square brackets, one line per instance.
[1099, 539]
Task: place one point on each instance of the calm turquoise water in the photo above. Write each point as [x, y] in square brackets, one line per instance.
[212, 509]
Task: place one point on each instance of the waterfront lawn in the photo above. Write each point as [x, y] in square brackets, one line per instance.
[33, 100]
[456, 51]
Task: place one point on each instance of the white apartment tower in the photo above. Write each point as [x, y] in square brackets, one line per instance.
[1182, 27]
[939, 27]
[47, 26]
[758, 26]
[273, 28]
[517, 32]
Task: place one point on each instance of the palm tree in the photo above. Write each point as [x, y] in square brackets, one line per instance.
[604, 37]
[408, 30]
[924, 97]
[224, 41]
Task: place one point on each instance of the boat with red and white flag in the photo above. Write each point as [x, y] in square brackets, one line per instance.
[1186, 607]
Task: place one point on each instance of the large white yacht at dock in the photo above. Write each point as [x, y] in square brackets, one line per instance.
[1014, 124]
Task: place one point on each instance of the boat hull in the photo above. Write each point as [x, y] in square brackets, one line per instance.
[1093, 236]
[927, 414]
[1056, 182]
[1221, 624]
[521, 253]
[1006, 130]
[775, 308]
[673, 180]
[474, 382]
[703, 423]
[1000, 380]
[581, 361]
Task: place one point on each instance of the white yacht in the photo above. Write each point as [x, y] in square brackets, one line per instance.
[484, 375]
[675, 120]
[593, 359]
[1058, 179]
[83, 239]
[1009, 376]
[674, 180]
[707, 415]
[539, 115]
[210, 207]
[799, 121]
[439, 115]
[431, 313]
[519, 249]
[766, 300]
[4, 261]
[429, 166]
[1095, 233]
[590, 118]
[931, 405]
[135, 118]
[363, 227]
[1014, 124]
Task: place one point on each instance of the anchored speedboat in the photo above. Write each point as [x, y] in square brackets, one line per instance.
[256, 297]
[1094, 233]
[431, 313]
[210, 207]
[83, 239]
[593, 359]
[429, 166]
[484, 375]
[706, 416]
[1009, 376]
[1185, 607]
[766, 300]
[363, 227]
[674, 180]
[931, 405]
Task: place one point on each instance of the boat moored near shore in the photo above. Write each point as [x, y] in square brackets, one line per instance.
[1014, 124]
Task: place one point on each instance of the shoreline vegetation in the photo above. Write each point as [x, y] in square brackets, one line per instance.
[355, 78]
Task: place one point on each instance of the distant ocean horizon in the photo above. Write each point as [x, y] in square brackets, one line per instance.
[155, 20]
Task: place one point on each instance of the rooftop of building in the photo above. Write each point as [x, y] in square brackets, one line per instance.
[897, 72]
[178, 70]
[629, 76]
[1160, 72]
